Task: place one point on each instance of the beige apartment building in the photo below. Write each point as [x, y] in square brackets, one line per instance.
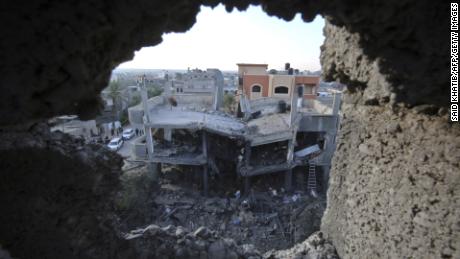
[255, 82]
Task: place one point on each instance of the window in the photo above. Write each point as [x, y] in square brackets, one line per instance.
[281, 90]
[300, 90]
[256, 89]
[308, 89]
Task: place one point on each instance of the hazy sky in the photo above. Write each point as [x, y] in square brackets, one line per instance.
[220, 40]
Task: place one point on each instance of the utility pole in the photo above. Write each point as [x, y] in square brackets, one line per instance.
[151, 166]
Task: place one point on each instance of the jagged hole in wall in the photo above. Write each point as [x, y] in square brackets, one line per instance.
[271, 213]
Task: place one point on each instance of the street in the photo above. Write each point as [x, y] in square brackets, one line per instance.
[126, 150]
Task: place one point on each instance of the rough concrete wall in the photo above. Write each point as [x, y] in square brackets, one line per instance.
[56, 196]
[50, 49]
[394, 186]
[394, 182]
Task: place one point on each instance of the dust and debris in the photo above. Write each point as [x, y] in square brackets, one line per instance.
[268, 218]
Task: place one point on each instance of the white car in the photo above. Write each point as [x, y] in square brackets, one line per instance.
[115, 144]
[128, 134]
[323, 94]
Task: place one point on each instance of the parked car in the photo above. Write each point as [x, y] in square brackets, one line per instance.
[128, 134]
[115, 144]
[323, 94]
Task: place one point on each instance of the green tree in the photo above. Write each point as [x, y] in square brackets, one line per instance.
[115, 95]
[153, 91]
[178, 76]
[229, 102]
[124, 118]
[118, 96]
[135, 101]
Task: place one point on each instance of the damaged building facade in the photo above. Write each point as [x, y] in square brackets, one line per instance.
[292, 133]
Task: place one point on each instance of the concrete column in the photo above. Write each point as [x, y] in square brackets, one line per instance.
[205, 180]
[288, 180]
[293, 113]
[152, 167]
[245, 107]
[205, 167]
[290, 151]
[218, 95]
[247, 185]
[167, 134]
[247, 164]
[168, 86]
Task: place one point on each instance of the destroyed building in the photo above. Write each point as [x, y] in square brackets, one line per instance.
[276, 133]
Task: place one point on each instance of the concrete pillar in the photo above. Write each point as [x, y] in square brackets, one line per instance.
[245, 107]
[167, 134]
[288, 180]
[205, 180]
[205, 166]
[247, 185]
[152, 167]
[167, 89]
[218, 95]
[247, 164]
[290, 151]
[293, 113]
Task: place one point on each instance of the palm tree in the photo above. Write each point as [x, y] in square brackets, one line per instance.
[115, 95]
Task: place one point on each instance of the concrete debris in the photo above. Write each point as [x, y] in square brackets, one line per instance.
[315, 247]
[270, 219]
[175, 242]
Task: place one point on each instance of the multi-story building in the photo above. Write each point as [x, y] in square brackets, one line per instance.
[255, 82]
[197, 81]
[268, 138]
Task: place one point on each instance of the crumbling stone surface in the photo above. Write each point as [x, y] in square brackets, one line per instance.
[393, 182]
[394, 185]
[314, 247]
[399, 46]
[56, 195]
[175, 242]
[343, 59]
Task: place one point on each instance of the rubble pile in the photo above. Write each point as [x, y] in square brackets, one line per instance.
[268, 218]
[314, 247]
[176, 242]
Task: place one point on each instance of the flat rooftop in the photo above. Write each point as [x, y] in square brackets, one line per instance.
[194, 112]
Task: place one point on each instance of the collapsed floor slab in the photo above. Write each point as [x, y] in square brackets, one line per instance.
[270, 127]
